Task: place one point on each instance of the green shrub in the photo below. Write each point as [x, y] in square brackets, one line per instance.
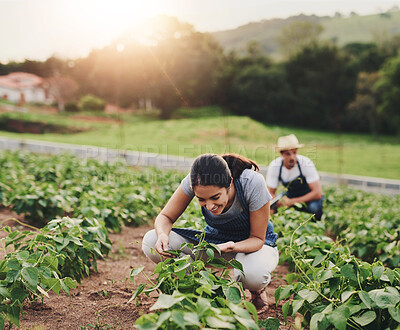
[72, 107]
[92, 103]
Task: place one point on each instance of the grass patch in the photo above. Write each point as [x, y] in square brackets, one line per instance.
[3, 101]
[348, 153]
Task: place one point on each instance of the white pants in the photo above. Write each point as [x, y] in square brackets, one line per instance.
[257, 266]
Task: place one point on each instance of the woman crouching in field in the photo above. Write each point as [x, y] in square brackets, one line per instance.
[235, 204]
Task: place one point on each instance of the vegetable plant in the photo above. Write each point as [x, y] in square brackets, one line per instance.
[332, 288]
[53, 258]
[195, 292]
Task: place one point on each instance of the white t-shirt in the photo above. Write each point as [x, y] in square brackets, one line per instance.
[307, 168]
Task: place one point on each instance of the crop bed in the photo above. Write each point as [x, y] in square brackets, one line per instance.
[341, 272]
[101, 299]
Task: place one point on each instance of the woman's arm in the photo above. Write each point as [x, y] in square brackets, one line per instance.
[169, 214]
[272, 191]
[258, 228]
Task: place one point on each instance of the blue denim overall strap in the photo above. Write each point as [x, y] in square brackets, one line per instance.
[235, 228]
[296, 187]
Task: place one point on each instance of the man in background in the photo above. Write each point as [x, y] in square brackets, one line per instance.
[298, 175]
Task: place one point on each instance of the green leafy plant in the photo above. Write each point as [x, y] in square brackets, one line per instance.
[335, 289]
[53, 258]
[193, 295]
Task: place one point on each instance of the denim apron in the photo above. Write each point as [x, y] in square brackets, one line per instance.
[234, 228]
[296, 187]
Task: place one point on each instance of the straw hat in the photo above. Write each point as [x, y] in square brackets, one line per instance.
[288, 142]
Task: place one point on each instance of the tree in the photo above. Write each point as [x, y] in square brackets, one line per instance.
[261, 92]
[389, 87]
[54, 66]
[63, 89]
[185, 66]
[363, 111]
[174, 66]
[298, 35]
[322, 83]
[366, 57]
[252, 85]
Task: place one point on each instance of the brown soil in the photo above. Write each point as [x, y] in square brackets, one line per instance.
[101, 300]
[97, 119]
[35, 127]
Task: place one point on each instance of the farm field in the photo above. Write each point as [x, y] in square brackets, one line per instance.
[347, 154]
[343, 270]
[102, 298]
[109, 288]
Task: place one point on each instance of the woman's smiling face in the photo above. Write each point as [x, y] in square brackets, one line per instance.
[213, 198]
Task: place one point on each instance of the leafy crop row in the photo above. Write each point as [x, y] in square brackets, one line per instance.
[331, 287]
[192, 295]
[369, 224]
[54, 258]
[45, 187]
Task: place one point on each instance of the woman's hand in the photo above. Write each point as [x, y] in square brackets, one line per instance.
[162, 245]
[227, 246]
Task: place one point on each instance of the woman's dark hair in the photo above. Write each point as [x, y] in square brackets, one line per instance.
[215, 170]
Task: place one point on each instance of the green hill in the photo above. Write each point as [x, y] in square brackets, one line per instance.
[342, 30]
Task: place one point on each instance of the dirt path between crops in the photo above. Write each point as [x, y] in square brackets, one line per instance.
[100, 301]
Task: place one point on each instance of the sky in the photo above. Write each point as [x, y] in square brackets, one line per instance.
[38, 29]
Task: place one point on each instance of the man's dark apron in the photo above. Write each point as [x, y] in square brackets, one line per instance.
[235, 228]
[296, 187]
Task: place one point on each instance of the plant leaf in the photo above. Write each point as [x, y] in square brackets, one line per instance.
[247, 322]
[377, 271]
[192, 319]
[308, 295]
[217, 323]
[178, 318]
[346, 295]
[339, 317]
[233, 295]
[286, 310]
[19, 294]
[365, 318]
[297, 305]
[30, 274]
[315, 319]
[4, 292]
[385, 300]
[285, 292]
[138, 291]
[395, 313]
[165, 301]
[366, 299]
[349, 272]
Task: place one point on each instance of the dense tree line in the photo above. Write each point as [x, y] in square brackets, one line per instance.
[319, 85]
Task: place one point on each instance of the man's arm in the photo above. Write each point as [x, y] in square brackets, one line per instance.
[314, 194]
